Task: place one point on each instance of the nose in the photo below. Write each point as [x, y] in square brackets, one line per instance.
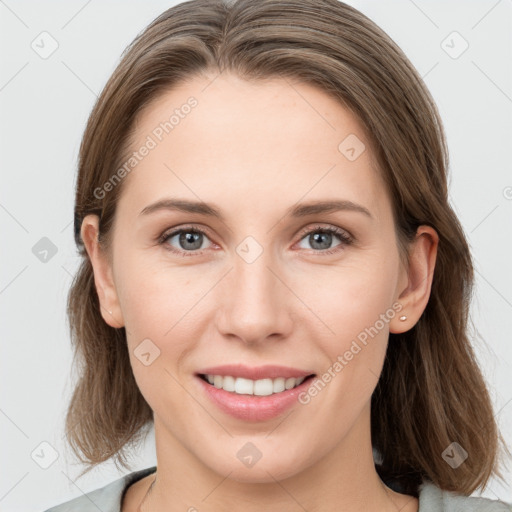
[254, 302]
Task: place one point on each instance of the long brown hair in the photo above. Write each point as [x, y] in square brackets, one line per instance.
[431, 391]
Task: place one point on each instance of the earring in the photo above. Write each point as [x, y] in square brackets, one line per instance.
[403, 318]
[110, 312]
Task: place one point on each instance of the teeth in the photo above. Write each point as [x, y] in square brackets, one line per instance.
[261, 387]
[228, 383]
[243, 386]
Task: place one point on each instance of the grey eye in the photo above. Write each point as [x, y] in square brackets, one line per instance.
[188, 240]
[320, 240]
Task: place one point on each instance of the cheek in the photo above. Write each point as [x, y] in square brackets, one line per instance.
[354, 303]
[350, 297]
[160, 321]
[158, 306]
[355, 306]
[155, 297]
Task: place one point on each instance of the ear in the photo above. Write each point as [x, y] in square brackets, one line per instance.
[416, 280]
[103, 276]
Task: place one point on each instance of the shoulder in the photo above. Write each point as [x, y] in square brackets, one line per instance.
[106, 499]
[434, 499]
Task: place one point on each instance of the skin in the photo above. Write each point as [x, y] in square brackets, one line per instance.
[254, 150]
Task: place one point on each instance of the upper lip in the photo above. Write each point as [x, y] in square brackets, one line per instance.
[254, 372]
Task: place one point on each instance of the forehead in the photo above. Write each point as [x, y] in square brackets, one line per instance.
[270, 143]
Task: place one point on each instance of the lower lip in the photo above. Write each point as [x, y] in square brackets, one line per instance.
[252, 407]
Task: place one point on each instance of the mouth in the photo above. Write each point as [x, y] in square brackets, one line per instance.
[260, 387]
[253, 394]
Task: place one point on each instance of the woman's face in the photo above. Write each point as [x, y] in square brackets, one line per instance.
[261, 282]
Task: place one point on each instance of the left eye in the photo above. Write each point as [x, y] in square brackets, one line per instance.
[321, 238]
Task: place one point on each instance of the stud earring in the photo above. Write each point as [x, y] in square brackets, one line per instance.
[110, 312]
[403, 318]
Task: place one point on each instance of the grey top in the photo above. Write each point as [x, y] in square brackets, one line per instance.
[431, 498]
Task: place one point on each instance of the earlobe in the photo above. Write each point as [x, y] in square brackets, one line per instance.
[103, 278]
[414, 296]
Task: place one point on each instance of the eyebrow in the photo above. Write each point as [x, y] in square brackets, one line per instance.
[300, 210]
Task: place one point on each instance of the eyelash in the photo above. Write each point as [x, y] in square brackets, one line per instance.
[344, 236]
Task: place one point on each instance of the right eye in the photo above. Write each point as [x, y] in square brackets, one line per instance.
[184, 241]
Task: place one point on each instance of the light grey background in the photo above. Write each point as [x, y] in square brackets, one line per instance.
[44, 106]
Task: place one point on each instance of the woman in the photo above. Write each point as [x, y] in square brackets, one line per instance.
[272, 274]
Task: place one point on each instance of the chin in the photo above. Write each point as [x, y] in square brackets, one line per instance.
[266, 469]
[261, 473]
